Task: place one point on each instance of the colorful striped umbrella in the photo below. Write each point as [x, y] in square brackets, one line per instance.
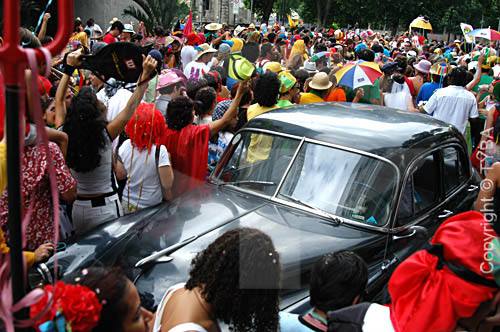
[359, 73]
[319, 55]
[486, 33]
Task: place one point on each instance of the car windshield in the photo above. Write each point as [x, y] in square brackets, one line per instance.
[341, 183]
[258, 161]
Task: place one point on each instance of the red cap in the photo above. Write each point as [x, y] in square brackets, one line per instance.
[192, 39]
[427, 295]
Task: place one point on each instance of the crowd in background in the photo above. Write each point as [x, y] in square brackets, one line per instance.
[118, 148]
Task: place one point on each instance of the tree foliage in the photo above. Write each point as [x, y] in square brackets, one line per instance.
[445, 15]
[157, 12]
[261, 8]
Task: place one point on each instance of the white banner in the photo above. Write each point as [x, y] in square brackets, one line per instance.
[466, 28]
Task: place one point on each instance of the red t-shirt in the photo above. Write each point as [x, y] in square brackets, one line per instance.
[188, 150]
[108, 39]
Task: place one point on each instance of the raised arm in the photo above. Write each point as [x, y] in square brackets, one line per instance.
[43, 28]
[220, 124]
[116, 126]
[59, 102]
[477, 76]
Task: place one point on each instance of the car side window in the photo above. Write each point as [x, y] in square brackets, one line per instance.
[421, 190]
[454, 169]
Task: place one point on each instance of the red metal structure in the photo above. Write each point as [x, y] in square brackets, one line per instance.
[13, 61]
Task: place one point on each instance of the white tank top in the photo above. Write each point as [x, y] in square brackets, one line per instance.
[159, 314]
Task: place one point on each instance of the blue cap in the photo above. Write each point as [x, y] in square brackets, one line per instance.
[155, 54]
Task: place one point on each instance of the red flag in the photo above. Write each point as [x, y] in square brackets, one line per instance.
[188, 27]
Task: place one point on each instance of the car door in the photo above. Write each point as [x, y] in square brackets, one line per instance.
[418, 210]
[459, 192]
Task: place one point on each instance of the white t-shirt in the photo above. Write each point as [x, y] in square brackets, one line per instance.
[151, 188]
[453, 104]
[116, 104]
[196, 69]
[188, 54]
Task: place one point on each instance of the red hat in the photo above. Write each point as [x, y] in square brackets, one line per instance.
[44, 85]
[426, 290]
[146, 127]
[331, 32]
[192, 39]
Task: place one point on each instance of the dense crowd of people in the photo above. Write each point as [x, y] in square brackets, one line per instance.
[119, 147]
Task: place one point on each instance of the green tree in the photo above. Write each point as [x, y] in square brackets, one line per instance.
[157, 12]
[261, 8]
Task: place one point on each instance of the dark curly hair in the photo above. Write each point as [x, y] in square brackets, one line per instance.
[239, 275]
[204, 101]
[179, 112]
[267, 89]
[336, 280]
[112, 285]
[85, 125]
[193, 85]
[214, 79]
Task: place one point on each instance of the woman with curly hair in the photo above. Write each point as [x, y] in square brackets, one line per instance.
[145, 160]
[90, 156]
[204, 105]
[266, 93]
[188, 143]
[235, 280]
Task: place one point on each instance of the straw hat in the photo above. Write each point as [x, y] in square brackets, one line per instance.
[439, 69]
[310, 67]
[320, 81]
[128, 28]
[205, 48]
[251, 26]
[238, 30]
[213, 26]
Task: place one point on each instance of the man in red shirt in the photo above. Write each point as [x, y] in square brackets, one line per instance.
[115, 30]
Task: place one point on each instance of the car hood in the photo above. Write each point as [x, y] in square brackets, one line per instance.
[198, 218]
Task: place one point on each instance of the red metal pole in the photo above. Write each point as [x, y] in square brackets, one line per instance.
[13, 62]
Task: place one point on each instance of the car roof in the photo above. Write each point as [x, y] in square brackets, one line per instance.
[379, 130]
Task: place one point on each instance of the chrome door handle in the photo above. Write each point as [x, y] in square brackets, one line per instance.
[472, 187]
[396, 237]
[445, 214]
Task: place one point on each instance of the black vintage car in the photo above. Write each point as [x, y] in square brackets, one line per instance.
[316, 178]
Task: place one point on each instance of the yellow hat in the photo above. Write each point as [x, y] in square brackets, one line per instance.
[490, 62]
[287, 81]
[275, 67]
[237, 45]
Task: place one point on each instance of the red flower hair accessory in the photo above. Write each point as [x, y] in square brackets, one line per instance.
[78, 305]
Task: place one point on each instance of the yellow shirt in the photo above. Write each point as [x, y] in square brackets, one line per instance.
[307, 98]
[256, 109]
[30, 256]
[260, 145]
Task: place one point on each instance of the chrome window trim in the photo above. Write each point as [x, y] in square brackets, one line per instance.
[446, 199]
[273, 198]
[289, 167]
